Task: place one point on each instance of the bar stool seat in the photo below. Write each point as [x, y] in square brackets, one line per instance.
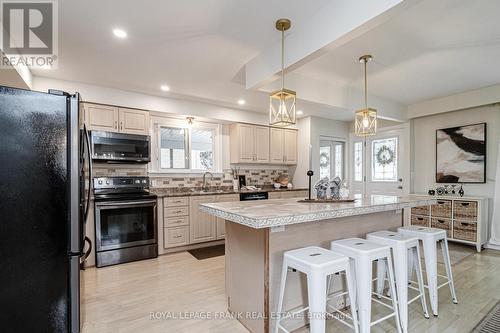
[430, 237]
[318, 264]
[362, 254]
[401, 245]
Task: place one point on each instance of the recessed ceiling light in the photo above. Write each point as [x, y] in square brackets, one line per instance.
[120, 33]
[300, 112]
[165, 87]
[241, 102]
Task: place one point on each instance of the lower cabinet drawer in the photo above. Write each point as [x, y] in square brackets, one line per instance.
[420, 220]
[176, 221]
[444, 224]
[465, 230]
[465, 210]
[421, 210]
[442, 209]
[177, 236]
[175, 211]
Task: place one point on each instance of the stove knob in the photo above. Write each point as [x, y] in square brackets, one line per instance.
[107, 182]
[100, 182]
[144, 181]
[137, 181]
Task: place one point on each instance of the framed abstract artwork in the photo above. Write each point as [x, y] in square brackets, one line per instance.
[461, 154]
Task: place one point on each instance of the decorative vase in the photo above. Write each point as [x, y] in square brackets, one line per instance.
[461, 191]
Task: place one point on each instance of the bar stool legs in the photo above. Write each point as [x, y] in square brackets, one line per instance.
[447, 264]
[318, 264]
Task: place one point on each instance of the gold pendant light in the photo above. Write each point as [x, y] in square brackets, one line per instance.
[365, 120]
[282, 102]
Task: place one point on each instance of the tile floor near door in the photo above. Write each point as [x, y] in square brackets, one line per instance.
[175, 293]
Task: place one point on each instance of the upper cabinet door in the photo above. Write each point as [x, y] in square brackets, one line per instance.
[101, 117]
[261, 144]
[290, 146]
[246, 143]
[277, 156]
[134, 121]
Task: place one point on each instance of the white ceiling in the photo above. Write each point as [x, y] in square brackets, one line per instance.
[199, 48]
[432, 49]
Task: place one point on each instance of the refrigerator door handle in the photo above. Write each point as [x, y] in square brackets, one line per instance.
[86, 254]
[87, 139]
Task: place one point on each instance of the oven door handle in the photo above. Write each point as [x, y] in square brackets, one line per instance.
[127, 203]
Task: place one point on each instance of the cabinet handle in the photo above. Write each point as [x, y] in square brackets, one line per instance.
[463, 223]
[465, 204]
[441, 202]
[440, 221]
[121, 125]
[116, 124]
[420, 218]
[178, 236]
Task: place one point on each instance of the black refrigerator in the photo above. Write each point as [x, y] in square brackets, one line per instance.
[44, 197]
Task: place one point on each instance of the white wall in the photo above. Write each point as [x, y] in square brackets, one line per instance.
[424, 147]
[105, 95]
[313, 128]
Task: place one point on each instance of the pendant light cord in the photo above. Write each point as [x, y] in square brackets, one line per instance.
[366, 87]
[282, 58]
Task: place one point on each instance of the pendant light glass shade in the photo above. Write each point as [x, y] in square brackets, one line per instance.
[365, 120]
[282, 102]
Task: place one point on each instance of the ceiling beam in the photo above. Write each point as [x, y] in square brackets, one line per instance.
[336, 23]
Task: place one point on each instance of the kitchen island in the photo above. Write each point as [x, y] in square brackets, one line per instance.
[258, 232]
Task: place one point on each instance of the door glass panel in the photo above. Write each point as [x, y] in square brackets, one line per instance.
[202, 157]
[339, 161]
[324, 160]
[173, 148]
[385, 159]
[358, 161]
[126, 225]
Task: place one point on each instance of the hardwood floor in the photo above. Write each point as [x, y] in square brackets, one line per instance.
[145, 296]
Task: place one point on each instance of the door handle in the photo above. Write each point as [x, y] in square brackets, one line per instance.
[116, 124]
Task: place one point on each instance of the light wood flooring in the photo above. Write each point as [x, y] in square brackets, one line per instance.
[122, 298]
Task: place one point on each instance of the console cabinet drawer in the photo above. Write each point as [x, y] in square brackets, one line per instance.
[441, 209]
[175, 211]
[420, 220]
[177, 201]
[421, 210]
[444, 224]
[176, 221]
[465, 230]
[465, 210]
[176, 236]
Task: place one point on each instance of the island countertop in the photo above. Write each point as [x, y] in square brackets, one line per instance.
[279, 212]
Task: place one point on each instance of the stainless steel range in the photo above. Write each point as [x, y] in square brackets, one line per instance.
[125, 220]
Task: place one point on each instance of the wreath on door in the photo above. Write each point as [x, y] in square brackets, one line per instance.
[385, 155]
[324, 161]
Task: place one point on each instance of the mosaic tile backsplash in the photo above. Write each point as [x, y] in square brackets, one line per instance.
[253, 176]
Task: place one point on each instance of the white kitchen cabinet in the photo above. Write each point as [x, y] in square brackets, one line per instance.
[290, 146]
[101, 117]
[203, 227]
[221, 223]
[277, 155]
[113, 119]
[283, 146]
[133, 121]
[249, 143]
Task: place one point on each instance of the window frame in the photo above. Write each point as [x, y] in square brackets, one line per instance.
[333, 142]
[158, 122]
[372, 161]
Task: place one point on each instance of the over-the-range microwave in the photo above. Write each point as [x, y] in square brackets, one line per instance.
[120, 148]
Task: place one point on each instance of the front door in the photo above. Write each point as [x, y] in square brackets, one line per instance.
[387, 162]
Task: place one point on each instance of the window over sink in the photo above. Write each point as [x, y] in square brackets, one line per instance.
[181, 148]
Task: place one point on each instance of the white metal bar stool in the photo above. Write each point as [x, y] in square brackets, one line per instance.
[318, 264]
[430, 237]
[400, 245]
[363, 253]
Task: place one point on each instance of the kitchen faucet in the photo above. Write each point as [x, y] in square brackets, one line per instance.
[205, 184]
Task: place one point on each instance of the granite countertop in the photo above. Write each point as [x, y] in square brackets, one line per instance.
[279, 212]
[186, 191]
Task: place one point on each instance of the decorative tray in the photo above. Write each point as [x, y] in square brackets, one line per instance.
[326, 200]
